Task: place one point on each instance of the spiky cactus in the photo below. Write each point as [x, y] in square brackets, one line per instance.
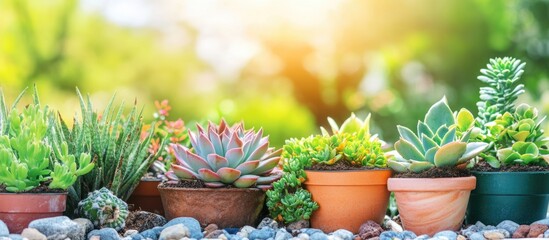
[502, 76]
[104, 209]
[441, 141]
[223, 155]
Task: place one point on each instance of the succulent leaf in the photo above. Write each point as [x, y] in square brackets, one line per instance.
[245, 181]
[228, 175]
[449, 154]
[408, 150]
[439, 114]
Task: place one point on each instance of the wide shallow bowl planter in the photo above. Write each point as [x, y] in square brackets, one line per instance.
[431, 205]
[226, 207]
[518, 196]
[347, 199]
[146, 197]
[17, 210]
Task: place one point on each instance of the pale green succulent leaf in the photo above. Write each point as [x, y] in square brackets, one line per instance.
[417, 166]
[430, 154]
[473, 149]
[408, 150]
[439, 114]
[449, 154]
[409, 136]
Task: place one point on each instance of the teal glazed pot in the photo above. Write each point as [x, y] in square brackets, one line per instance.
[521, 197]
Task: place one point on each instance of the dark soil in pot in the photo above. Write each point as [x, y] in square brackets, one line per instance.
[436, 173]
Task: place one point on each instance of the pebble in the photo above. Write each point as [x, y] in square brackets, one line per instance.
[318, 236]
[84, 223]
[450, 235]
[369, 230]
[192, 224]
[216, 234]
[461, 237]
[343, 234]
[282, 234]
[3, 229]
[268, 222]
[311, 231]
[389, 235]
[496, 234]
[210, 228]
[295, 226]
[174, 232]
[104, 234]
[59, 228]
[303, 236]
[16, 237]
[388, 223]
[521, 231]
[151, 233]
[476, 236]
[130, 232]
[422, 237]
[546, 234]
[537, 230]
[245, 231]
[407, 235]
[137, 237]
[508, 225]
[542, 221]
[264, 234]
[33, 234]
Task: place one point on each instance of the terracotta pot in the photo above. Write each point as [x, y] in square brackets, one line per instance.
[146, 197]
[226, 207]
[431, 205]
[347, 199]
[17, 210]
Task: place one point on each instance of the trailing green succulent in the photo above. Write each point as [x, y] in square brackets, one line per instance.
[514, 133]
[223, 155]
[502, 76]
[441, 141]
[114, 142]
[104, 209]
[352, 143]
[28, 158]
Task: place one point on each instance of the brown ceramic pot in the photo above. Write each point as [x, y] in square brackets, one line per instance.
[17, 210]
[146, 197]
[431, 205]
[347, 199]
[226, 207]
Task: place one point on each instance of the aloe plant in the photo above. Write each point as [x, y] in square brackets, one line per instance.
[441, 141]
[28, 158]
[222, 155]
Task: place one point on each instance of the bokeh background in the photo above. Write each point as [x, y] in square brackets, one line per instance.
[281, 64]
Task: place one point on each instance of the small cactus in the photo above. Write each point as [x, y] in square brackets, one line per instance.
[104, 209]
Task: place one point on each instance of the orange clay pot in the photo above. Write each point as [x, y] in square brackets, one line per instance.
[17, 210]
[146, 197]
[347, 199]
[431, 205]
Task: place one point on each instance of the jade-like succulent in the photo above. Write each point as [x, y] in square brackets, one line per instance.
[104, 209]
[28, 158]
[223, 155]
[441, 141]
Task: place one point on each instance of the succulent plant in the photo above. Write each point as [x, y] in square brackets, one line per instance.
[352, 142]
[28, 158]
[441, 141]
[104, 209]
[223, 155]
[502, 76]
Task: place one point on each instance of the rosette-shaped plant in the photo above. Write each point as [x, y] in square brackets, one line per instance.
[441, 141]
[104, 209]
[223, 155]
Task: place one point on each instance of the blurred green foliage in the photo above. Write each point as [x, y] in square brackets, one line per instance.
[391, 58]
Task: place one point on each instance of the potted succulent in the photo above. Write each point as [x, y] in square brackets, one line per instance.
[35, 172]
[344, 174]
[513, 173]
[222, 179]
[166, 132]
[432, 186]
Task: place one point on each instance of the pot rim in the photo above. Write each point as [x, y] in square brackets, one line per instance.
[431, 184]
[510, 173]
[365, 177]
[40, 194]
[160, 187]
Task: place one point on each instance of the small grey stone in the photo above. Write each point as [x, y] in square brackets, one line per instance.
[480, 225]
[174, 232]
[303, 236]
[137, 237]
[389, 235]
[542, 221]
[263, 233]
[85, 224]
[318, 236]
[59, 228]
[496, 234]
[343, 234]
[130, 232]
[105, 234]
[268, 222]
[508, 225]
[3, 229]
[422, 237]
[233, 237]
[311, 231]
[192, 224]
[245, 231]
[151, 233]
[282, 234]
[477, 236]
[16, 237]
[407, 235]
[5, 238]
[298, 225]
[546, 234]
[33, 234]
[450, 235]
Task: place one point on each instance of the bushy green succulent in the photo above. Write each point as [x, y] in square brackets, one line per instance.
[352, 142]
[514, 133]
[441, 141]
[104, 209]
[28, 158]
